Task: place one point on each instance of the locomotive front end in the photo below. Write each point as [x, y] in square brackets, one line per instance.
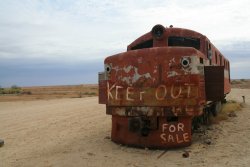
[153, 93]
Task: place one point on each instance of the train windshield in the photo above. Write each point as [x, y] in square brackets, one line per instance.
[145, 44]
[184, 41]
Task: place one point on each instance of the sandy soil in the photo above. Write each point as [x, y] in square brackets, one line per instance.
[76, 132]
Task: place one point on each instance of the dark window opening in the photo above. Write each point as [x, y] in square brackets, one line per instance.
[201, 60]
[216, 57]
[209, 51]
[184, 41]
[145, 44]
[172, 119]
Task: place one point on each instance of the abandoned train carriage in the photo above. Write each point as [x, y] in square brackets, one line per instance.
[165, 79]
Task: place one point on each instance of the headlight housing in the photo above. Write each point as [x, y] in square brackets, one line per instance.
[158, 31]
[185, 62]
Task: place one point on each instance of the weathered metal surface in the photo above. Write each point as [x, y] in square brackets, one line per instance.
[102, 88]
[168, 32]
[155, 77]
[167, 134]
[155, 111]
[162, 95]
[214, 83]
[154, 90]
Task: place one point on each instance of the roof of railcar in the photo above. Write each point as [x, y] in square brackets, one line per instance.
[173, 31]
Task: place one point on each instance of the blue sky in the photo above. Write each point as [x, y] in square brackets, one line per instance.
[52, 42]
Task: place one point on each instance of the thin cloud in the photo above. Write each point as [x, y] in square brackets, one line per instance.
[67, 29]
[69, 32]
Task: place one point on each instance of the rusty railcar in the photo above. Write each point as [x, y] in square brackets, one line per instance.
[156, 89]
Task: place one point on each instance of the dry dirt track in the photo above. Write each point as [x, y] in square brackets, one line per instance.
[74, 132]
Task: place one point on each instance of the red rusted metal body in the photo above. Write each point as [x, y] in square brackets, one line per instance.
[164, 80]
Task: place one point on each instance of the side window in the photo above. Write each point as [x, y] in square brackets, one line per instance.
[216, 57]
[184, 41]
[145, 44]
[220, 60]
[209, 51]
[201, 60]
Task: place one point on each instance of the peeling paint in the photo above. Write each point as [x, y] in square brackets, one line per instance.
[132, 79]
[120, 111]
[171, 62]
[172, 73]
[127, 69]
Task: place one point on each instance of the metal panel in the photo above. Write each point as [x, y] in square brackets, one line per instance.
[167, 134]
[214, 82]
[102, 88]
[155, 111]
[155, 77]
[163, 95]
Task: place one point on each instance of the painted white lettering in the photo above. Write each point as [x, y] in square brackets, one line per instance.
[160, 89]
[117, 91]
[173, 95]
[163, 137]
[186, 137]
[180, 127]
[170, 138]
[170, 133]
[176, 110]
[164, 127]
[129, 89]
[109, 91]
[141, 93]
[178, 140]
[172, 128]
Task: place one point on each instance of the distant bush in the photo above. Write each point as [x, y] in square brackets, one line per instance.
[87, 94]
[26, 92]
[1, 90]
[12, 90]
[234, 82]
[90, 93]
[15, 87]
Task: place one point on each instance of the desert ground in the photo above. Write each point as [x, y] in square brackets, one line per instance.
[76, 132]
[51, 92]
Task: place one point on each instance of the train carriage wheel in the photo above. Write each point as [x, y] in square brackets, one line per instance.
[216, 108]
